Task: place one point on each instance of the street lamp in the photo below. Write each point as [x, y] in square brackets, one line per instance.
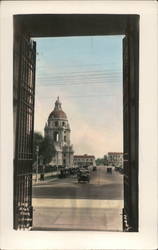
[37, 151]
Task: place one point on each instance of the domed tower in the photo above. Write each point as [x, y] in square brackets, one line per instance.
[58, 129]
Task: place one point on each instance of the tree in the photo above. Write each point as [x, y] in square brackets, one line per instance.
[47, 150]
[100, 161]
[37, 141]
[105, 160]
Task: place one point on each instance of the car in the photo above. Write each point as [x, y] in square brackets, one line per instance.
[94, 168]
[121, 171]
[85, 167]
[109, 170]
[83, 176]
[64, 173]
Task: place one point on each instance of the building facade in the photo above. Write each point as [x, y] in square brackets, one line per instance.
[84, 160]
[115, 158]
[57, 128]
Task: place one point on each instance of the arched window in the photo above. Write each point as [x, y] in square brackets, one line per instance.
[56, 136]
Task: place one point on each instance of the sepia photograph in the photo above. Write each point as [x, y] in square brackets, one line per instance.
[76, 122]
[78, 125]
[78, 136]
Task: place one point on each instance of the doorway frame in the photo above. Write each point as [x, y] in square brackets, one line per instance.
[57, 25]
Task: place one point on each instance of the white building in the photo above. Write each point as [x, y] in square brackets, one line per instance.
[115, 158]
[58, 129]
[84, 160]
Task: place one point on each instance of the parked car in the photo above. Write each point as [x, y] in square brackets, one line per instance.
[83, 175]
[109, 170]
[121, 171]
[85, 167]
[64, 173]
[116, 168]
[73, 171]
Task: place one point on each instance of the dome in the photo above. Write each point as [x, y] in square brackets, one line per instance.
[57, 113]
[60, 114]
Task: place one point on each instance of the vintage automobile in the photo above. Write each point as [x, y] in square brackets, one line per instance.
[109, 170]
[94, 168]
[85, 167]
[83, 176]
[64, 173]
[121, 171]
[73, 171]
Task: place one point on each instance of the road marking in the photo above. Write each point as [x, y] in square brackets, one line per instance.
[77, 203]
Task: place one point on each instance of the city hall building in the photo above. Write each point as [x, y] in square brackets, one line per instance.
[57, 128]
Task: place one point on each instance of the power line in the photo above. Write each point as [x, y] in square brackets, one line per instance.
[99, 72]
[80, 74]
[104, 84]
[86, 96]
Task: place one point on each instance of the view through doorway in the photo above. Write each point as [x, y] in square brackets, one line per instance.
[78, 134]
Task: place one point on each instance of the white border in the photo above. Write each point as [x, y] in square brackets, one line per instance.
[147, 237]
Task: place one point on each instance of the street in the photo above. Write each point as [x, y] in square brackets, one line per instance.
[65, 204]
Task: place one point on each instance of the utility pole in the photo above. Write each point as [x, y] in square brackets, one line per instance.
[57, 163]
[37, 150]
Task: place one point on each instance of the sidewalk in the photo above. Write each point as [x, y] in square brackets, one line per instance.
[70, 219]
[46, 180]
[70, 215]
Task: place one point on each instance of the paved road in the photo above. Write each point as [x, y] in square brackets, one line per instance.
[102, 186]
[63, 204]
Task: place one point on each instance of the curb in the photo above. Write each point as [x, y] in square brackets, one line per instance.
[44, 182]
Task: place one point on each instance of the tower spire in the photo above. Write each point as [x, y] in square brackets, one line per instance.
[58, 104]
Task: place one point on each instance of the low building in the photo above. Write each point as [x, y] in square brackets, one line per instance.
[115, 158]
[84, 160]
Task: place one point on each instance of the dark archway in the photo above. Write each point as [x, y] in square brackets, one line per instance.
[27, 26]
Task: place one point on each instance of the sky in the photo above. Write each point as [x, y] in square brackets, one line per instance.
[86, 74]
